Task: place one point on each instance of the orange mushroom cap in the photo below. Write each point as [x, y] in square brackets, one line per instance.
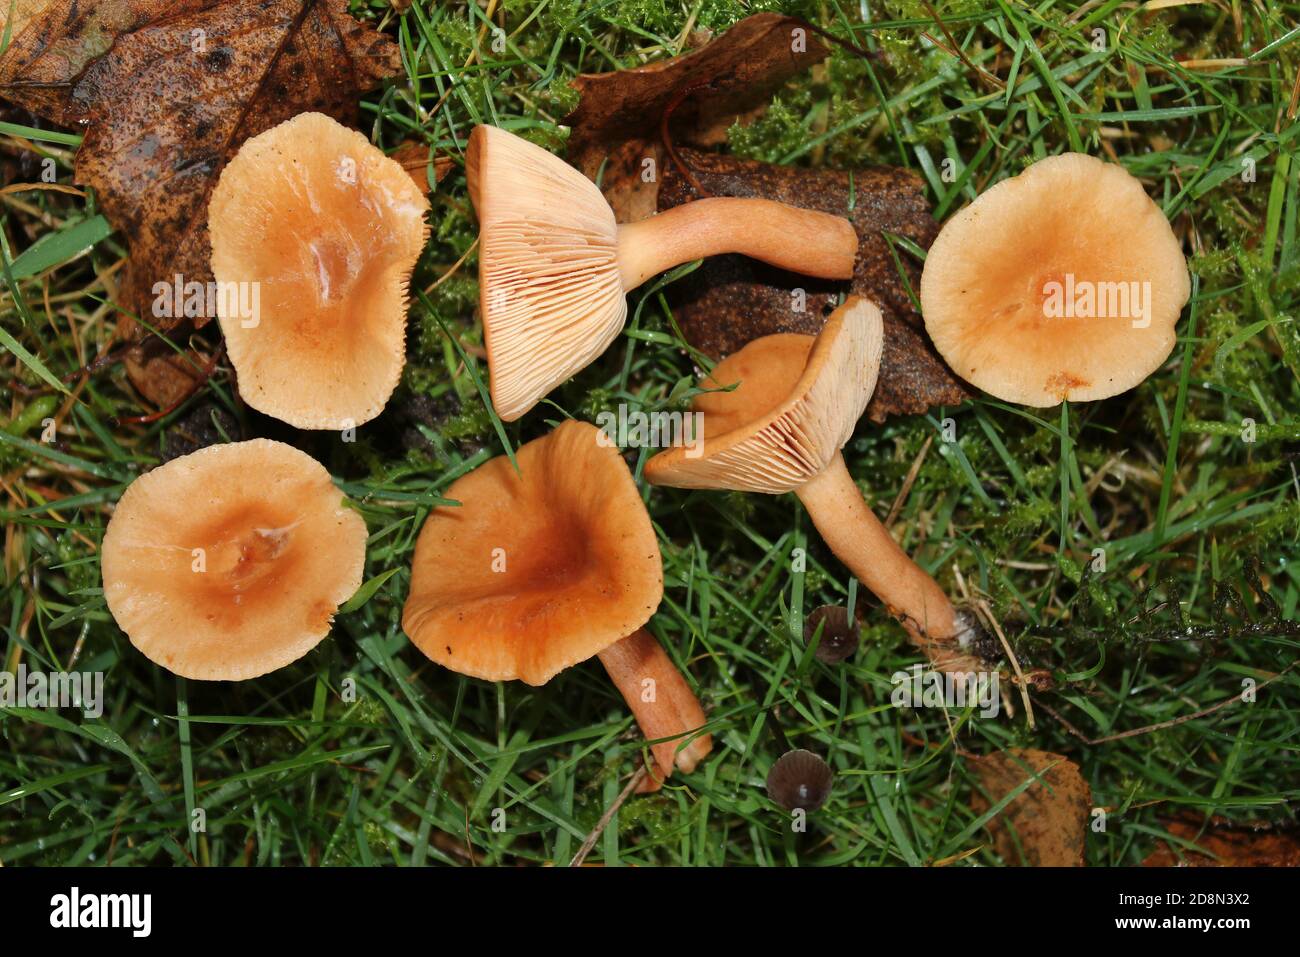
[798, 400]
[537, 570]
[326, 229]
[1064, 282]
[231, 561]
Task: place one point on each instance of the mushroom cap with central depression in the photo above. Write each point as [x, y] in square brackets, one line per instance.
[231, 561]
[1064, 282]
[795, 403]
[325, 229]
[535, 570]
[550, 290]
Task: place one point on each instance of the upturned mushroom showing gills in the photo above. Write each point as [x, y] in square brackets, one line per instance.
[314, 235]
[231, 561]
[795, 403]
[1064, 282]
[540, 569]
[554, 266]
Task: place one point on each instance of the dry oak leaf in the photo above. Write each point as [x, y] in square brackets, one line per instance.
[731, 299]
[179, 90]
[1224, 844]
[617, 121]
[1045, 825]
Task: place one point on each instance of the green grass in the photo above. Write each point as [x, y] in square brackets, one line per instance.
[366, 753]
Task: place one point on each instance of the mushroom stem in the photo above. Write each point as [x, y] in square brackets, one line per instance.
[801, 240]
[641, 670]
[864, 545]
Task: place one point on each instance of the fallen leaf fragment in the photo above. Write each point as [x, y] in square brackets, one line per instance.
[1224, 844]
[1046, 824]
[413, 156]
[163, 376]
[730, 300]
[52, 43]
[617, 121]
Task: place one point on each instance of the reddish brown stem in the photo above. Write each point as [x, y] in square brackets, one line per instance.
[664, 705]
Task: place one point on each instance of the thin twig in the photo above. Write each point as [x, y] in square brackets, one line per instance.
[1015, 664]
[908, 482]
[1160, 726]
[608, 816]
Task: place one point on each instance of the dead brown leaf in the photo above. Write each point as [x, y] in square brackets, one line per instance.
[163, 376]
[52, 43]
[413, 156]
[1045, 825]
[619, 114]
[1224, 844]
[169, 91]
[731, 299]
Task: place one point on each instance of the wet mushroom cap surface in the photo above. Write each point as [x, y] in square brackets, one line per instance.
[535, 571]
[1064, 282]
[795, 403]
[800, 780]
[326, 229]
[839, 634]
[231, 561]
[550, 290]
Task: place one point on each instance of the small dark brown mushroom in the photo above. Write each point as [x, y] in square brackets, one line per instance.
[800, 780]
[839, 635]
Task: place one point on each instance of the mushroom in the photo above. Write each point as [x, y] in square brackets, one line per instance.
[839, 633]
[544, 567]
[800, 781]
[781, 429]
[231, 561]
[554, 266]
[314, 235]
[1064, 282]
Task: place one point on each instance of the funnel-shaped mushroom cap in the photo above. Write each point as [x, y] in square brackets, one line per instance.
[796, 404]
[1064, 282]
[230, 562]
[318, 232]
[549, 284]
[536, 571]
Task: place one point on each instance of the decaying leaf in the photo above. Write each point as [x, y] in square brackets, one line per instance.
[169, 91]
[52, 42]
[163, 376]
[730, 300]
[413, 156]
[617, 121]
[1045, 825]
[1224, 844]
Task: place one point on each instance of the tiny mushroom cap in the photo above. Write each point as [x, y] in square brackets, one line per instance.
[231, 561]
[314, 236]
[783, 408]
[839, 634]
[800, 780]
[1064, 282]
[554, 265]
[541, 568]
